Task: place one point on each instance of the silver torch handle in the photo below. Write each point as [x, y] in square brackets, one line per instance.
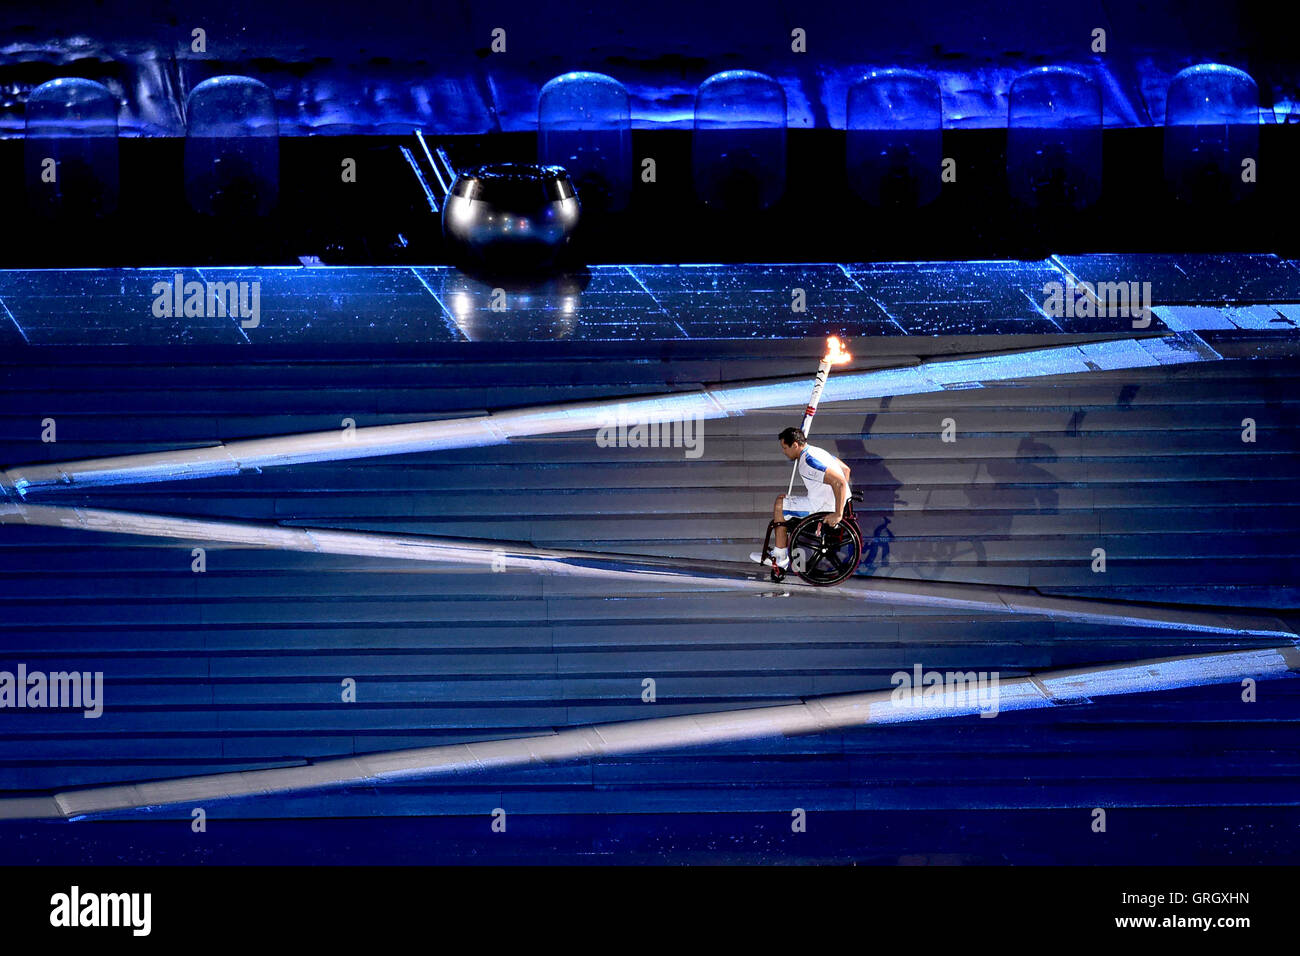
[823, 373]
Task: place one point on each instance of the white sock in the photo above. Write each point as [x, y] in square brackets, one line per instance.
[782, 555]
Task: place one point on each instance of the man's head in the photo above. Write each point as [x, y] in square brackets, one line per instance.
[792, 442]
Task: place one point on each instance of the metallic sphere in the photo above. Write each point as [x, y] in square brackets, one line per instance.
[512, 216]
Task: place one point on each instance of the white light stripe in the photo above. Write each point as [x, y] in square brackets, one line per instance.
[811, 716]
[616, 567]
[500, 427]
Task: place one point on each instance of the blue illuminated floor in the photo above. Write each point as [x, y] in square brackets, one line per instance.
[637, 303]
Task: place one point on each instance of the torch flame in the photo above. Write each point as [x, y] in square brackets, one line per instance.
[835, 352]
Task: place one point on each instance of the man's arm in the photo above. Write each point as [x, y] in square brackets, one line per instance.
[839, 482]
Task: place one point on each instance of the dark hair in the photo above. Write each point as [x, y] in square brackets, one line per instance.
[793, 436]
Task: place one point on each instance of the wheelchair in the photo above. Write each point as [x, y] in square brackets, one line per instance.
[819, 554]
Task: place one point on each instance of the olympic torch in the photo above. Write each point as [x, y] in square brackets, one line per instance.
[835, 355]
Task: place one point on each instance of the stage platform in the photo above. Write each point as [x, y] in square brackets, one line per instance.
[647, 306]
[240, 667]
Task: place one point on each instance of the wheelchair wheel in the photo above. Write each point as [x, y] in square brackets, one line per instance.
[822, 555]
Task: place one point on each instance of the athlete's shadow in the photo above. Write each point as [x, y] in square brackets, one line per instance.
[1019, 484]
[879, 490]
[997, 490]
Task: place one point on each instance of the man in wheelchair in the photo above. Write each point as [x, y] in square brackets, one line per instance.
[826, 479]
